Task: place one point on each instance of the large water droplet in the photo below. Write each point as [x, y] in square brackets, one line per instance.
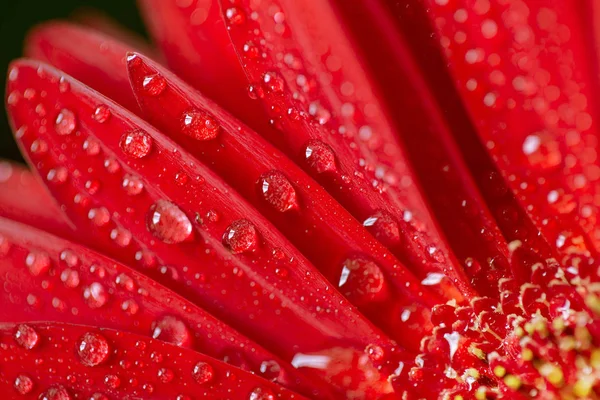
[65, 122]
[57, 392]
[92, 349]
[95, 295]
[38, 262]
[261, 394]
[361, 280]
[241, 236]
[26, 337]
[154, 84]
[172, 330]
[23, 384]
[168, 223]
[203, 372]
[278, 191]
[199, 125]
[136, 143]
[320, 156]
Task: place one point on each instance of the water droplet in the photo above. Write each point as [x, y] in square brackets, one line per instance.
[261, 394]
[168, 223]
[235, 16]
[70, 278]
[172, 330]
[23, 384]
[92, 349]
[165, 375]
[39, 147]
[112, 381]
[65, 122]
[69, 258]
[99, 216]
[38, 262]
[320, 156]
[98, 396]
[112, 165]
[270, 370]
[384, 227]
[102, 113]
[241, 236]
[203, 372]
[92, 186]
[278, 191]
[154, 84]
[121, 236]
[273, 82]
[375, 352]
[26, 337]
[181, 178]
[251, 50]
[63, 85]
[136, 143]
[130, 307]
[56, 392]
[95, 295]
[255, 92]
[361, 280]
[91, 146]
[199, 125]
[132, 185]
[58, 175]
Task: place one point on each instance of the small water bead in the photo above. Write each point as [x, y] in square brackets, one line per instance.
[23, 384]
[168, 222]
[154, 85]
[132, 185]
[130, 307]
[26, 337]
[172, 330]
[92, 349]
[375, 352]
[165, 375]
[240, 236]
[57, 392]
[181, 178]
[57, 175]
[92, 186]
[261, 394]
[38, 262]
[255, 92]
[70, 278]
[273, 82]
[212, 216]
[278, 191]
[112, 381]
[270, 370]
[203, 373]
[320, 156]
[99, 216]
[91, 146]
[95, 295]
[69, 258]
[361, 280]
[98, 396]
[112, 165]
[136, 144]
[235, 16]
[121, 236]
[251, 50]
[384, 227]
[39, 147]
[66, 122]
[102, 113]
[63, 85]
[199, 125]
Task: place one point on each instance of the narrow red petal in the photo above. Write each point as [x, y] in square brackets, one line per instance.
[24, 199]
[370, 277]
[57, 280]
[534, 110]
[300, 63]
[63, 361]
[88, 55]
[199, 237]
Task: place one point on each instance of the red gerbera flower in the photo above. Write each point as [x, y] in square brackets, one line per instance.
[331, 199]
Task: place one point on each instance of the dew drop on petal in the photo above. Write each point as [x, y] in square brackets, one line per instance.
[102, 113]
[91, 146]
[278, 191]
[240, 236]
[319, 156]
[136, 144]
[70, 278]
[154, 85]
[361, 280]
[261, 394]
[99, 216]
[38, 262]
[95, 295]
[203, 372]
[199, 125]
[384, 227]
[235, 16]
[26, 337]
[165, 375]
[39, 147]
[23, 384]
[112, 381]
[168, 223]
[57, 175]
[132, 185]
[92, 349]
[172, 330]
[57, 392]
[65, 122]
[273, 82]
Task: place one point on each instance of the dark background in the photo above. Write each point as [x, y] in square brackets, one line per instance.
[17, 17]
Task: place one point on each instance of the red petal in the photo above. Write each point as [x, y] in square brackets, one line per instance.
[73, 361]
[301, 64]
[87, 55]
[56, 280]
[243, 283]
[23, 199]
[291, 200]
